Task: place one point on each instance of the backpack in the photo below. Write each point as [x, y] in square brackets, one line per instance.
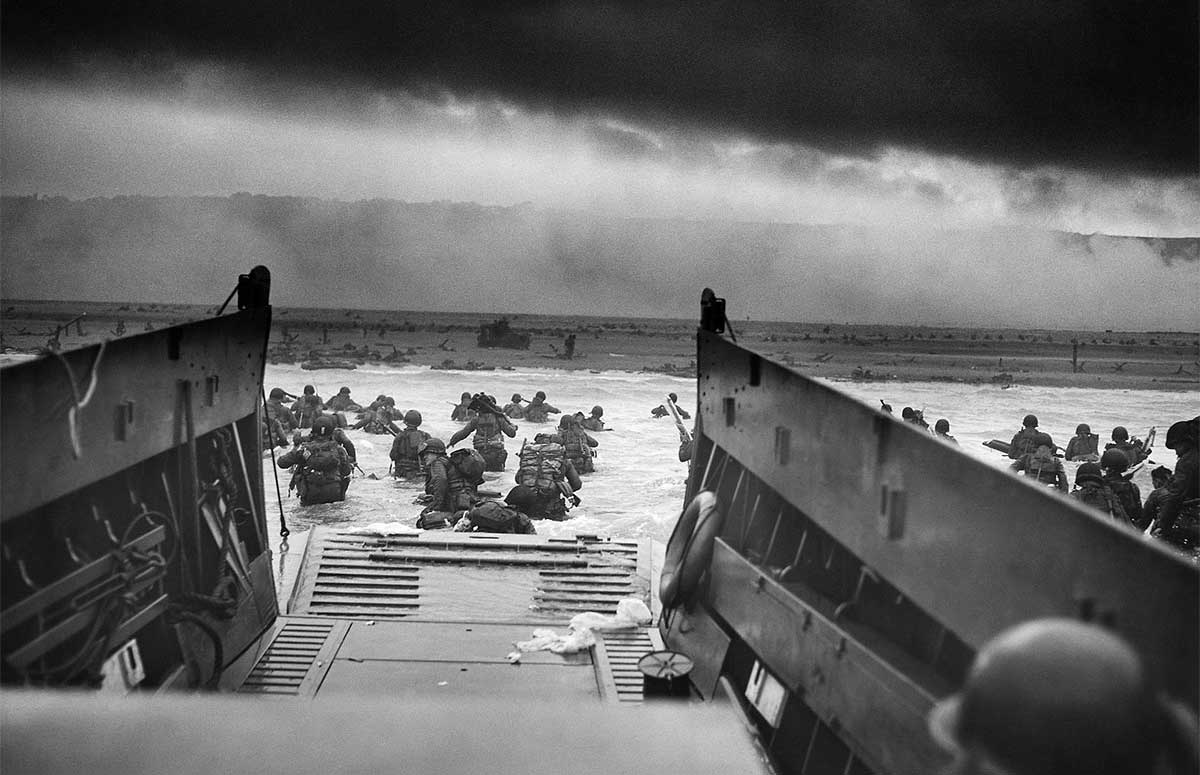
[494, 518]
[470, 465]
[1100, 497]
[324, 457]
[1043, 465]
[542, 466]
[410, 440]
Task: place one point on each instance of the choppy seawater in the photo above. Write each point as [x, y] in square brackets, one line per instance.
[637, 489]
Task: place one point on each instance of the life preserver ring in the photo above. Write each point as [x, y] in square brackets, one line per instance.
[690, 549]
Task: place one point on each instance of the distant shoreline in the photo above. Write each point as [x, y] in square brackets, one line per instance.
[873, 353]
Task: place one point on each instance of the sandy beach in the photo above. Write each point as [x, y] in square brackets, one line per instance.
[345, 337]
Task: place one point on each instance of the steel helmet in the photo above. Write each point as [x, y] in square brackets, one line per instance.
[1089, 472]
[309, 390]
[1030, 421]
[1183, 431]
[1120, 434]
[435, 446]
[1054, 697]
[1082, 429]
[323, 426]
[466, 395]
[540, 394]
[597, 411]
[1114, 459]
[942, 426]
[344, 391]
[521, 495]
[516, 399]
[278, 393]
[412, 417]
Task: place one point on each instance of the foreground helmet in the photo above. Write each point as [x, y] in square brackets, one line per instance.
[412, 417]
[1114, 459]
[1030, 421]
[1089, 472]
[1082, 429]
[521, 496]
[1053, 696]
[323, 426]
[1120, 434]
[1183, 431]
[434, 446]
[942, 426]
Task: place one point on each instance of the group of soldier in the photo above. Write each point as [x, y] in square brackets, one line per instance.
[1104, 479]
[548, 473]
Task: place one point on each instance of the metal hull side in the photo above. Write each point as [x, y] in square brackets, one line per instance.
[861, 563]
[141, 393]
[977, 548]
[132, 523]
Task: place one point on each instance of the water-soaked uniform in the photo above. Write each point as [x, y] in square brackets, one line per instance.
[1044, 467]
[1128, 494]
[323, 470]
[1083, 447]
[538, 410]
[1098, 495]
[404, 452]
[488, 440]
[1026, 442]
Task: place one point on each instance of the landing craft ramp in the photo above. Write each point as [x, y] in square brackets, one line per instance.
[438, 613]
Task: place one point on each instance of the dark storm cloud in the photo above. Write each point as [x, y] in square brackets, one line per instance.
[1085, 85]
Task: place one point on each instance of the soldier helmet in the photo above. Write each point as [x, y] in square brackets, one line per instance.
[412, 417]
[389, 400]
[1082, 429]
[907, 413]
[278, 393]
[309, 390]
[565, 421]
[344, 390]
[597, 411]
[521, 496]
[540, 394]
[1114, 460]
[1053, 696]
[432, 446]
[1030, 421]
[516, 399]
[323, 426]
[1182, 432]
[1120, 433]
[942, 426]
[673, 397]
[466, 395]
[1089, 472]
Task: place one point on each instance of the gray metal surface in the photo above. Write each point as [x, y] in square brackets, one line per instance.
[74, 418]
[975, 547]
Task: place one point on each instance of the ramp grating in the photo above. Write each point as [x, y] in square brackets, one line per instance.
[617, 655]
[287, 663]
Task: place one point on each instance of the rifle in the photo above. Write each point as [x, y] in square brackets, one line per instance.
[684, 434]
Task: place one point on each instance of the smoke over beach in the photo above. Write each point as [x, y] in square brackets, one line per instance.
[393, 255]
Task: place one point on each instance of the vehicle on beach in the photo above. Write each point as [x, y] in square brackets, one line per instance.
[813, 604]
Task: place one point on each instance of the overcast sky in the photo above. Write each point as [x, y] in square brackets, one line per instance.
[1073, 115]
